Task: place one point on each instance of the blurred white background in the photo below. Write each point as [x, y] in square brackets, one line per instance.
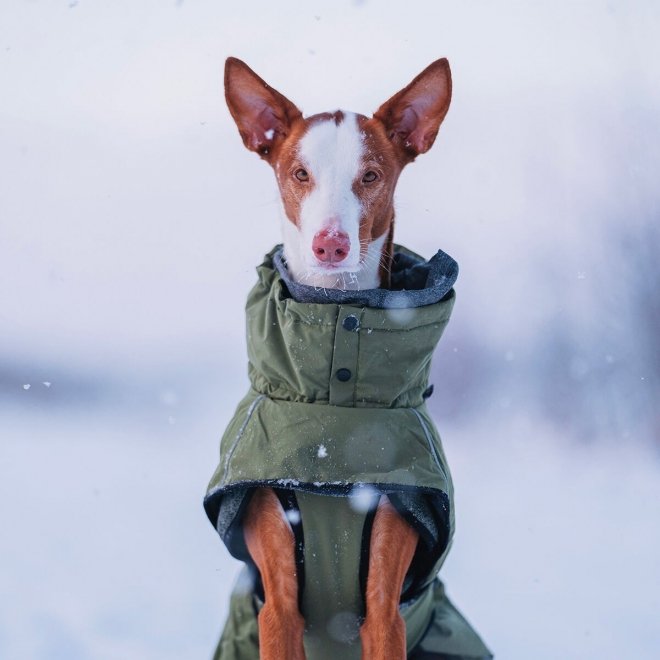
[131, 219]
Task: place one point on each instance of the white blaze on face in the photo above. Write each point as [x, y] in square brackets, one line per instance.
[332, 154]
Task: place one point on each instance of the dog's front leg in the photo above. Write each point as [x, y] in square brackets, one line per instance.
[391, 550]
[271, 543]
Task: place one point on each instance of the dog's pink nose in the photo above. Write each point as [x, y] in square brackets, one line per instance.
[331, 246]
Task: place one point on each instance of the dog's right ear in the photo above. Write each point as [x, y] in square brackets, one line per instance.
[262, 114]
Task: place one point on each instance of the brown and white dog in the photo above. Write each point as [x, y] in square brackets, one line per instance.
[336, 172]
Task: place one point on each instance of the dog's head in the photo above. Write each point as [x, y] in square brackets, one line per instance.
[337, 170]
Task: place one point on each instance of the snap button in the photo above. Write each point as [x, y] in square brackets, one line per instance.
[350, 322]
[343, 375]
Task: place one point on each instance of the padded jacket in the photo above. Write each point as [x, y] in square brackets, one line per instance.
[335, 417]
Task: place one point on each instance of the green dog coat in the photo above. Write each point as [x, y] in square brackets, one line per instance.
[335, 417]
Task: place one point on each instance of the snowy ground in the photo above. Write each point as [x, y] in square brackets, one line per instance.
[106, 552]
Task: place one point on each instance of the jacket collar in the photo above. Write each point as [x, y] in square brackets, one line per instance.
[415, 283]
[372, 352]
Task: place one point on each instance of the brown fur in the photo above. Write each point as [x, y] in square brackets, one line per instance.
[271, 544]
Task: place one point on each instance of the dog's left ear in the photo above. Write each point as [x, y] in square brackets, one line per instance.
[413, 116]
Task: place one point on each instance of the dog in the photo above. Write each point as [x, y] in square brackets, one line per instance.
[336, 172]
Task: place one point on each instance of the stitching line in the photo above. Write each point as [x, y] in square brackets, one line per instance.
[230, 453]
[434, 451]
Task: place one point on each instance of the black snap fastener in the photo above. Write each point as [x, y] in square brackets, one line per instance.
[350, 322]
[343, 375]
[427, 392]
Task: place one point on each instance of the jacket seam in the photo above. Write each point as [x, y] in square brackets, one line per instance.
[360, 404]
[312, 325]
[373, 328]
[429, 440]
[241, 430]
[357, 361]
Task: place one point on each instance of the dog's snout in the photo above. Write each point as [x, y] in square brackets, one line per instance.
[331, 246]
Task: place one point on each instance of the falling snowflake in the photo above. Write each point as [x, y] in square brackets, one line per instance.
[293, 516]
[363, 498]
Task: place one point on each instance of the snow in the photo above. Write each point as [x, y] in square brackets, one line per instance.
[133, 217]
[401, 315]
[322, 452]
[107, 552]
[287, 482]
[363, 498]
[293, 516]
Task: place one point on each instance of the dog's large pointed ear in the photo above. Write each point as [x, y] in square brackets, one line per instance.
[262, 114]
[413, 116]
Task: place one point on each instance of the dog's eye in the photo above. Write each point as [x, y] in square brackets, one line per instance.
[301, 175]
[369, 177]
